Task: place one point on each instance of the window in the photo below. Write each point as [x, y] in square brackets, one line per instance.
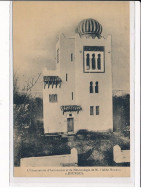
[99, 62]
[58, 55]
[93, 61]
[52, 97]
[66, 77]
[71, 56]
[97, 110]
[91, 87]
[91, 110]
[87, 62]
[72, 95]
[96, 87]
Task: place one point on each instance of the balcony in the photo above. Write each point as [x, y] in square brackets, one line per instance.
[52, 81]
[71, 108]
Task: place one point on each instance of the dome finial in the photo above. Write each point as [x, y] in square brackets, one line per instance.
[89, 28]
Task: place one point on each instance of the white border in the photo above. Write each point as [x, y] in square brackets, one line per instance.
[11, 163]
[137, 94]
[4, 93]
[78, 181]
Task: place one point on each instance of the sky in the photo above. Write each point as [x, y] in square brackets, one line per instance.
[36, 26]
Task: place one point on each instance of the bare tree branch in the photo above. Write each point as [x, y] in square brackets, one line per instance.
[32, 83]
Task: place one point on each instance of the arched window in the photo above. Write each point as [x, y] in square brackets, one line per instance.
[93, 61]
[91, 87]
[99, 61]
[96, 87]
[87, 61]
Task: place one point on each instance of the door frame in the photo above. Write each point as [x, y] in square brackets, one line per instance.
[72, 131]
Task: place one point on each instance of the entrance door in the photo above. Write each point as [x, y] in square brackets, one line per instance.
[70, 124]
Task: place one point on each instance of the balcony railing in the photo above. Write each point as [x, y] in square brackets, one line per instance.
[52, 81]
[71, 108]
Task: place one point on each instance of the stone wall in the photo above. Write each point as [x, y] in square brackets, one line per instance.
[56, 160]
[120, 156]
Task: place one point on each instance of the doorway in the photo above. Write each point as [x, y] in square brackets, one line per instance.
[70, 124]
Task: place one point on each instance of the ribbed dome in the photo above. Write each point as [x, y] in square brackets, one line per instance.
[90, 28]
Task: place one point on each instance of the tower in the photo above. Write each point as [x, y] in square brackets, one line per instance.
[78, 95]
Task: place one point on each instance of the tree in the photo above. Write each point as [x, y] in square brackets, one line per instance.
[22, 106]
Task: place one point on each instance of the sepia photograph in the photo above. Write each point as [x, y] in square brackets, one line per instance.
[71, 88]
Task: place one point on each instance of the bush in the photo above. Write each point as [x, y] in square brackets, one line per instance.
[82, 132]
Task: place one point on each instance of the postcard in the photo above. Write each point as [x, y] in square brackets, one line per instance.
[71, 89]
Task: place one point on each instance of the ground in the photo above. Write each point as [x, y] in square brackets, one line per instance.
[94, 149]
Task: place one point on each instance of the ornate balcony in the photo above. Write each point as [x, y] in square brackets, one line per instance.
[71, 108]
[52, 81]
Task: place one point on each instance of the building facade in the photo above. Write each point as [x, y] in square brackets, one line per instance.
[78, 94]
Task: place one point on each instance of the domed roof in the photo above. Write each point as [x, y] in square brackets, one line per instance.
[90, 28]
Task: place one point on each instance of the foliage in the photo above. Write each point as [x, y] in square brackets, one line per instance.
[28, 113]
[121, 112]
